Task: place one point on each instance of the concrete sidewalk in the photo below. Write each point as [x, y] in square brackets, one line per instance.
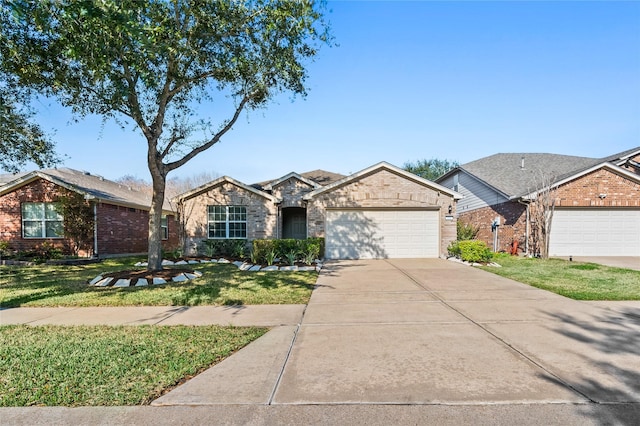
[405, 342]
[244, 315]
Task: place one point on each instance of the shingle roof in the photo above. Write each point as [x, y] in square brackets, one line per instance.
[321, 177]
[505, 173]
[86, 183]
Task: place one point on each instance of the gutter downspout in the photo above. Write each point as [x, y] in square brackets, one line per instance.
[95, 229]
[526, 227]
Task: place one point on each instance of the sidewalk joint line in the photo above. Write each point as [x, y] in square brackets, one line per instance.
[486, 330]
[286, 360]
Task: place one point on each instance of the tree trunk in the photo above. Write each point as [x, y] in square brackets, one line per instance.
[159, 180]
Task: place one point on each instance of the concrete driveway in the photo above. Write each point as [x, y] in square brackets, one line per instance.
[412, 342]
[431, 333]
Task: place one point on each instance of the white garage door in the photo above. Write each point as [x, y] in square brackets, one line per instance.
[595, 232]
[371, 234]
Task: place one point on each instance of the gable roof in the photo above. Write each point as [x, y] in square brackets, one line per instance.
[91, 186]
[505, 172]
[602, 165]
[286, 177]
[382, 166]
[516, 174]
[320, 177]
[207, 186]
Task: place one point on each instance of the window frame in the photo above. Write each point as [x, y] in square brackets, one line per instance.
[231, 219]
[164, 227]
[43, 221]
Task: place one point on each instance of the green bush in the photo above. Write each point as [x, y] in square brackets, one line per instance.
[231, 248]
[289, 250]
[474, 251]
[466, 232]
[454, 249]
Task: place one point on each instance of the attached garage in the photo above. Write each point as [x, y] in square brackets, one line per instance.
[595, 232]
[382, 233]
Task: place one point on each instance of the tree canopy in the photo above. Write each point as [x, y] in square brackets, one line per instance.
[430, 169]
[163, 65]
[21, 138]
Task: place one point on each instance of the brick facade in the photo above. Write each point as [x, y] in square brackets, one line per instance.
[383, 189]
[601, 188]
[121, 230]
[513, 223]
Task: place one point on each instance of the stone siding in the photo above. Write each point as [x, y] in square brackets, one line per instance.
[291, 192]
[261, 213]
[383, 189]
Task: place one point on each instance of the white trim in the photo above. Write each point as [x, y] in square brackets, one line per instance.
[210, 185]
[383, 166]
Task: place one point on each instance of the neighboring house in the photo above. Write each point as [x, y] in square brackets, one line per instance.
[597, 201]
[380, 212]
[28, 217]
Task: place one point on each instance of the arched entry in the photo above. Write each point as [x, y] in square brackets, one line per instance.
[294, 223]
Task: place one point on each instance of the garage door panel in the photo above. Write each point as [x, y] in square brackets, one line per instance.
[361, 234]
[595, 232]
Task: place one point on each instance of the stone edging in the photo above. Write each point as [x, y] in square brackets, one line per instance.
[242, 265]
[101, 281]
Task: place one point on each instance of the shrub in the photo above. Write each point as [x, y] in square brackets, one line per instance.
[466, 231]
[474, 251]
[454, 249]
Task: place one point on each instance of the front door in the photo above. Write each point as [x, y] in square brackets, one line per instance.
[294, 223]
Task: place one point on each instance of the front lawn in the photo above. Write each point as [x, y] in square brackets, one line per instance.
[221, 284]
[101, 365]
[580, 281]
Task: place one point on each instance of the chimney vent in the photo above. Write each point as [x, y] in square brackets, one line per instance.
[522, 162]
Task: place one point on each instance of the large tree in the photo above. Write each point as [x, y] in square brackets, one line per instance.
[430, 169]
[22, 140]
[157, 63]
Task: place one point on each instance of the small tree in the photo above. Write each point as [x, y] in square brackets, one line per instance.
[430, 169]
[541, 208]
[78, 221]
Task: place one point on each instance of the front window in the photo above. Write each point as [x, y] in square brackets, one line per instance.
[227, 222]
[164, 225]
[41, 220]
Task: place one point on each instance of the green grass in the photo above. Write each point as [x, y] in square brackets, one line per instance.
[101, 365]
[580, 281]
[48, 285]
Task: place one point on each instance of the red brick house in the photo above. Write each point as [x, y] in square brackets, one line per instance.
[121, 215]
[379, 212]
[597, 201]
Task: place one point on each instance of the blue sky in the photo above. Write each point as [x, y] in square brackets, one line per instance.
[419, 80]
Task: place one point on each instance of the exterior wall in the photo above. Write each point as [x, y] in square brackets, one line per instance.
[383, 189]
[120, 230]
[123, 230]
[476, 195]
[586, 191]
[512, 227]
[38, 191]
[262, 214]
[583, 192]
[291, 192]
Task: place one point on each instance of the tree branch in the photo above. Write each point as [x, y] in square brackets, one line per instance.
[175, 164]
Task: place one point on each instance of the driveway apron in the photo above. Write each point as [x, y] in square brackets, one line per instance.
[435, 332]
